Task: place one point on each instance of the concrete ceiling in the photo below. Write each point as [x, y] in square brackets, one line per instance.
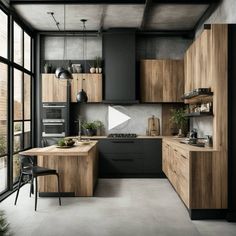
[160, 17]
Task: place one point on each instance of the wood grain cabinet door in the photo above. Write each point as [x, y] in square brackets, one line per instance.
[92, 85]
[53, 89]
[151, 80]
[173, 80]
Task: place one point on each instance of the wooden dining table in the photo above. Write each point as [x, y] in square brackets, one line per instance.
[77, 167]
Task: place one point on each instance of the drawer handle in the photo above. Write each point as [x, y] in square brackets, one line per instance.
[184, 156]
[125, 160]
[124, 141]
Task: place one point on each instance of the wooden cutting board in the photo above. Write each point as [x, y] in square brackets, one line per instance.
[153, 126]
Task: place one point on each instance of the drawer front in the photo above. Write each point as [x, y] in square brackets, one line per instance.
[116, 164]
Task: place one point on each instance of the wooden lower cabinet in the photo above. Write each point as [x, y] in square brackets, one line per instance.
[92, 85]
[194, 176]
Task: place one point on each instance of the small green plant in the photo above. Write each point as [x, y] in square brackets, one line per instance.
[178, 117]
[89, 125]
[4, 225]
[98, 124]
[98, 62]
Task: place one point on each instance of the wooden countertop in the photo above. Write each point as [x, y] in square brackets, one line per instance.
[187, 147]
[104, 137]
[77, 150]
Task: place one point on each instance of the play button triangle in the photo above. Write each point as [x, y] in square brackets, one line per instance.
[116, 118]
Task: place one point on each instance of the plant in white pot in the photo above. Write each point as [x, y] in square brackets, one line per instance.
[99, 65]
[92, 67]
[178, 117]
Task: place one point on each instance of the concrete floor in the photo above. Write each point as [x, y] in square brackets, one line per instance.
[121, 207]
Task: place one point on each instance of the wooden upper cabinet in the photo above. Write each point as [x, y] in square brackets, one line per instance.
[53, 89]
[92, 85]
[173, 80]
[197, 62]
[151, 80]
[161, 80]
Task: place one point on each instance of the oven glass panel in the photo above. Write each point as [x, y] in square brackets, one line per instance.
[53, 128]
[53, 113]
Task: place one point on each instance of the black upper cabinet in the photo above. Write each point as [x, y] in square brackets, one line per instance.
[120, 74]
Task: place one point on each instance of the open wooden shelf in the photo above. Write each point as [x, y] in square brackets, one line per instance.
[199, 114]
[203, 98]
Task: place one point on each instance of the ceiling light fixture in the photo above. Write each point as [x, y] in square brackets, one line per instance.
[82, 96]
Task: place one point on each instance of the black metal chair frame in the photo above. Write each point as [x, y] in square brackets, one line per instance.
[28, 168]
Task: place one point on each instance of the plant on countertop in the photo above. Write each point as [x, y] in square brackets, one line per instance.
[90, 128]
[4, 225]
[66, 142]
[98, 64]
[99, 126]
[178, 117]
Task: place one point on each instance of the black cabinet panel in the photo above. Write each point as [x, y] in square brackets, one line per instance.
[130, 158]
[119, 56]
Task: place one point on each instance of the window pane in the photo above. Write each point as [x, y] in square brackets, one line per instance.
[27, 134]
[18, 50]
[18, 136]
[27, 97]
[27, 51]
[3, 34]
[17, 95]
[3, 108]
[16, 167]
[3, 173]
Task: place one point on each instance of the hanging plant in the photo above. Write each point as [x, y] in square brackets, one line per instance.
[4, 225]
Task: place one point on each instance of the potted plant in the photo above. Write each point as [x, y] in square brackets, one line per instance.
[92, 67]
[99, 127]
[47, 68]
[179, 118]
[98, 65]
[89, 128]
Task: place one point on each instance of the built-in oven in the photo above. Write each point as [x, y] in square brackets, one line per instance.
[52, 128]
[54, 111]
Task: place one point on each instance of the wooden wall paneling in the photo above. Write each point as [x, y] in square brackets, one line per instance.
[220, 103]
[145, 79]
[157, 80]
[74, 87]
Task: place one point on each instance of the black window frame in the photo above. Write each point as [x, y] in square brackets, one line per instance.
[11, 65]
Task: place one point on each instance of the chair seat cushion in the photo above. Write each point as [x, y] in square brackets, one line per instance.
[38, 170]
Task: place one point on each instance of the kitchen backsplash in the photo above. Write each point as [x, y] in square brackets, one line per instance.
[203, 126]
[138, 123]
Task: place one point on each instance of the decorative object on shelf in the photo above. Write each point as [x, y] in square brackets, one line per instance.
[89, 128]
[93, 67]
[77, 68]
[209, 141]
[98, 65]
[178, 117]
[82, 95]
[62, 73]
[204, 109]
[153, 126]
[70, 67]
[47, 68]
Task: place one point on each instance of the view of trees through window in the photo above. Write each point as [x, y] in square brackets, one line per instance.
[21, 79]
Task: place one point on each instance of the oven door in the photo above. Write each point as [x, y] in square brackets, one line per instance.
[51, 129]
[54, 112]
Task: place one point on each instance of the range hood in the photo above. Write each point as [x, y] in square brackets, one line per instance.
[120, 66]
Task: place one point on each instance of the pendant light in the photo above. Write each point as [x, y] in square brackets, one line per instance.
[82, 96]
[60, 72]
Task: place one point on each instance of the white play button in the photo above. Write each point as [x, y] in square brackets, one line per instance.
[116, 118]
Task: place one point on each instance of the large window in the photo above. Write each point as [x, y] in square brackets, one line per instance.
[3, 126]
[15, 101]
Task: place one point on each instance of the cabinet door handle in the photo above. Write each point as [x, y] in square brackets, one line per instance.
[184, 156]
[122, 141]
[126, 160]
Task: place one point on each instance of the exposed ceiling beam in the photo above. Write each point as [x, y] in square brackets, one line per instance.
[206, 15]
[111, 1]
[146, 12]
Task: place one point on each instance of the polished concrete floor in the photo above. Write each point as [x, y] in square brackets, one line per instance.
[121, 207]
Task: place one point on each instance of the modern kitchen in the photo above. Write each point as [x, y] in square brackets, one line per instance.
[117, 117]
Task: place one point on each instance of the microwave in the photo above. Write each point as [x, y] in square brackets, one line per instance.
[56, 112]
[54, 129]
